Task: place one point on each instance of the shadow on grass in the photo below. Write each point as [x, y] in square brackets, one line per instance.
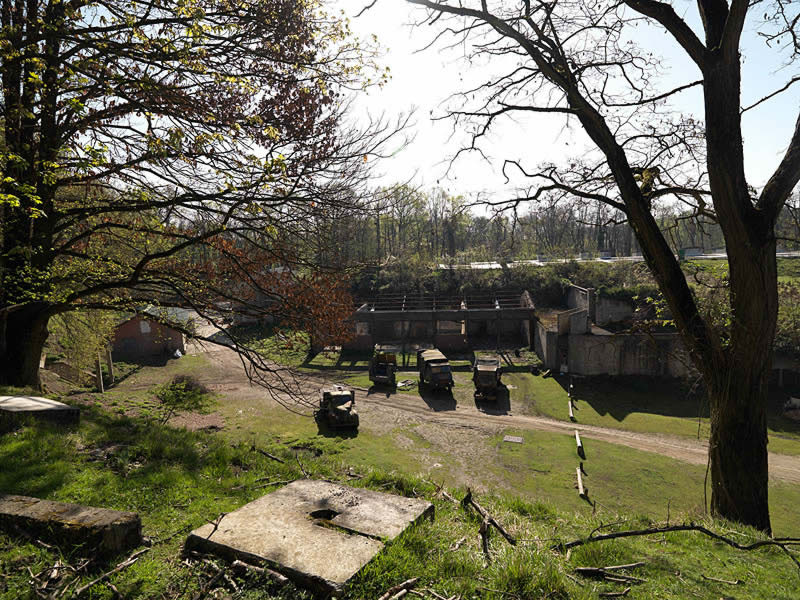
[620, 396]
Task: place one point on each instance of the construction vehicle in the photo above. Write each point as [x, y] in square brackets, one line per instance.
[486, 373]
[383, 364]
[337, 408]
[434, 369]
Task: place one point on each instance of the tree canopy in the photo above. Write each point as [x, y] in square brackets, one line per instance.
[153, 149]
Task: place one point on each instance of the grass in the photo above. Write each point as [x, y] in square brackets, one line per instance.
[178, 480]
[637, 404]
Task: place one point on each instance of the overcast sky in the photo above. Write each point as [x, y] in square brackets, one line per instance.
[422, 80]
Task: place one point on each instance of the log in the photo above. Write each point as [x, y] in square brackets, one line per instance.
[400, 587]
[581, 451]
[581, 491]
[571, 414]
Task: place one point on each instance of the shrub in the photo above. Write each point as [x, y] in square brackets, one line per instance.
[183, 394]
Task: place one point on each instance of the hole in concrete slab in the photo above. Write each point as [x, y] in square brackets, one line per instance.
[323, 513]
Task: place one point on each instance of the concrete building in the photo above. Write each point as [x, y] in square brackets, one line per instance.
[577, 339]
[493, 319]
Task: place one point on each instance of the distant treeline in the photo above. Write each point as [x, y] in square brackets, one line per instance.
[432, 226]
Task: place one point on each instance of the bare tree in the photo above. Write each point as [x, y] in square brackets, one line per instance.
[575, 59]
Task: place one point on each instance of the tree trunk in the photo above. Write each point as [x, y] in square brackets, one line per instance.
[738, 451]
[23, 333]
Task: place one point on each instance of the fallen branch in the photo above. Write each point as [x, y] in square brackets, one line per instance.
[400, 587]
[628, 566]
[615, 594]
[737, 582]
[267, 454]
[243, 567]
[121, 566]
[299, 464]
[484, 531]
[457, 545]
[691, 527]
[468, 501]
[602, 573]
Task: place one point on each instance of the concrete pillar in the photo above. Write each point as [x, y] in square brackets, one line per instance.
[592, 301]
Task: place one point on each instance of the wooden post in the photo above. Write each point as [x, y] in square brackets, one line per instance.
[98, 376]
[581, 490]
[581, 452]
[110, 365]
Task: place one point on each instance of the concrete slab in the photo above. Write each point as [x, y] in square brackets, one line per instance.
[514, 439]
[14, 409]
[100, 529]
[319, 534]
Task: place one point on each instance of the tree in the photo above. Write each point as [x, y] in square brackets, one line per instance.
[578, 60]
[149, 145]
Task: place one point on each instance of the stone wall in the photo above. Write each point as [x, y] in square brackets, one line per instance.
[659, 355]
[611, 311]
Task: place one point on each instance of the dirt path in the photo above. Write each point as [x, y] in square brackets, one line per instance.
[380, 408]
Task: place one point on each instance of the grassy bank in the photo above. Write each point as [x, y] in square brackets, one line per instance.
[178, 480]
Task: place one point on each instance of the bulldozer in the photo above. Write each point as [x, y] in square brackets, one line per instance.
[486, 373]
[383, 365]
[337, 408]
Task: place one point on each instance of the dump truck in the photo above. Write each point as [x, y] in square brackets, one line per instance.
[434, 369]
[383, 364]
[486, 373]
[337, 408]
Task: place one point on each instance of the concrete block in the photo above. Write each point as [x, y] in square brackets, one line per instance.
[99, 529]
[15, 409]
[318, 534]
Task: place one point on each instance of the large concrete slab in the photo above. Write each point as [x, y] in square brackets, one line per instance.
[319, 534]
[14, 409]
[99, 529]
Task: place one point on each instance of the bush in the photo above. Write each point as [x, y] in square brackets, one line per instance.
[183, 394]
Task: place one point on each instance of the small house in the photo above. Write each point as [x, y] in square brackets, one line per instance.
[147, 337]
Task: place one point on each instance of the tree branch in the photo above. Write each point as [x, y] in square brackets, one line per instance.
[669, 19]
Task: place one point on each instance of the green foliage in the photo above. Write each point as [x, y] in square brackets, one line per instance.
[183, 394]
[81, 336]
[280, 344]
[787, 335]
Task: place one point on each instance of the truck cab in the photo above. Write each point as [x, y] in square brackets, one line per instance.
[383, 364]
[434, 369]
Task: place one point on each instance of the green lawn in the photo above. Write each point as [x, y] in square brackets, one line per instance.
[178, 480]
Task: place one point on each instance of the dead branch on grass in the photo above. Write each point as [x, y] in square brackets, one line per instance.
[120, 567]
[253, 448]
[469, 501]
[615, 594]
[400, 587]
[782, 543]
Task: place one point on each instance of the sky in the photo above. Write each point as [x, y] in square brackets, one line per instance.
[423, 79]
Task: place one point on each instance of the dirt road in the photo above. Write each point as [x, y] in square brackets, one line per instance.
[228, 375]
